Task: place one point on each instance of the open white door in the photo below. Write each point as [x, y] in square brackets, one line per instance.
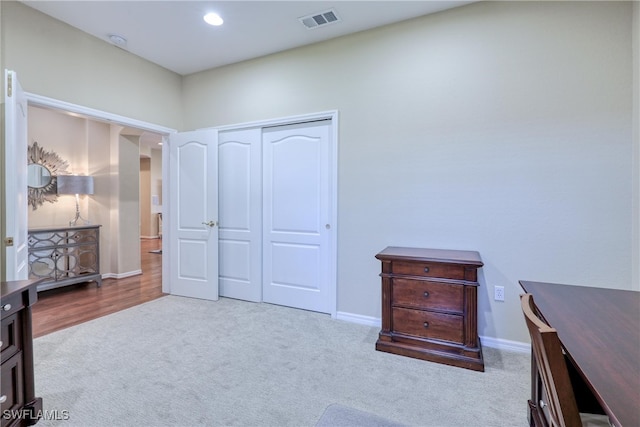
[15, 179]
[193, 214]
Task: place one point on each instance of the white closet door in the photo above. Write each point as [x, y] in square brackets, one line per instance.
[240, 212]
[296, 224]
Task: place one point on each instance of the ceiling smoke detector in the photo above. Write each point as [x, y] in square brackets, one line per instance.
[320, 19]
[118, 40]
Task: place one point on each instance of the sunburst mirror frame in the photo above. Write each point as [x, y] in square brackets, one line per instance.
[55, 165]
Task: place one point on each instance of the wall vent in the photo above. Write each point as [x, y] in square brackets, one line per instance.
[320, 19]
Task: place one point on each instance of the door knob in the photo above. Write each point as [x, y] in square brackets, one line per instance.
[210, 223]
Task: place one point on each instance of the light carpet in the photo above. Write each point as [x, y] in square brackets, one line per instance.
[343, 416]
[185, 362]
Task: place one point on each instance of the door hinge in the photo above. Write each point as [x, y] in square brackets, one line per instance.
[10, 85]
[8, 241]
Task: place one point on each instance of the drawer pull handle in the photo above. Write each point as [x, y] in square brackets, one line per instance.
[6, 307]
[426, 324]
[3, 398]
[426, 294]
[426, 269]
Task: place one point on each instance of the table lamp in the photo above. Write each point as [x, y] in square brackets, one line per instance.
[75, 184]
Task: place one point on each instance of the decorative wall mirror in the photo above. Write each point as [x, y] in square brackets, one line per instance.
[42, 169]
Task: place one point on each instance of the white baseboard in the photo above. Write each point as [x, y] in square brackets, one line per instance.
[121, 275]
[150, 237]
[359, 319]
[506, 345]
[499, 343]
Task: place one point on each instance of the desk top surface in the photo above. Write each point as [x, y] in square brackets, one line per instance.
[8, 289]
[600, 330]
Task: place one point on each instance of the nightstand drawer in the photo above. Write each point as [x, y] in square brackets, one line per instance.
[428, 324]
[12, 386]
[11, 305]
[428, 295]
[428, 269]
[11, 336]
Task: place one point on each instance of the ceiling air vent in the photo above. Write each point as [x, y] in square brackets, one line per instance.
[320, 19]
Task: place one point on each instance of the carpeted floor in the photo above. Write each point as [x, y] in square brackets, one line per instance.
[185, 362]
[343, 416]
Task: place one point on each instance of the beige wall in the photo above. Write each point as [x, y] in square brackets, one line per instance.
[55, 60]
[499, 127]
[101, 203]
[504, 127]
[67, 137]
[150, 188]
[145, 197]
[156, 189]
[128, 209]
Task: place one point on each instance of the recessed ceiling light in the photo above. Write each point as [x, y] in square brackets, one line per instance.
[213, 19]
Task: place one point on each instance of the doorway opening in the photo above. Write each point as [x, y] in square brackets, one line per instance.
[99, 144]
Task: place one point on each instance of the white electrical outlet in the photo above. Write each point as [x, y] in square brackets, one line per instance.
[498, 293]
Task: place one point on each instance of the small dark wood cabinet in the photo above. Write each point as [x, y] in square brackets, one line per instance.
[19, 405]
[429, 305]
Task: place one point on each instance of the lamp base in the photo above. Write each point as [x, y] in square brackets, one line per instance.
[74, 221]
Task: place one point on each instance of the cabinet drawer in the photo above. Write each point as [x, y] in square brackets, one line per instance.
[428, 295]
[87, 236]
[11, 305]
[428, 269]
[11, 336]
[427, 324]
[12, 388]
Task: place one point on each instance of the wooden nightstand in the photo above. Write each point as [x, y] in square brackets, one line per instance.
[429, 305]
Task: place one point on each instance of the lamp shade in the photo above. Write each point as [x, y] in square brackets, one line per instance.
[75, 184]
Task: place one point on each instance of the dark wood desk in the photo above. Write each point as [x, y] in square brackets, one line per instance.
[600, 331]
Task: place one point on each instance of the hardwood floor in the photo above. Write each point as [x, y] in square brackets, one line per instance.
[70, 305]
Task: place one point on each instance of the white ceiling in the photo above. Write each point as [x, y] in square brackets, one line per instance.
[173, 34]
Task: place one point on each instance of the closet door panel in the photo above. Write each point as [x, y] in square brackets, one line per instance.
[296, 215]
[239, 176]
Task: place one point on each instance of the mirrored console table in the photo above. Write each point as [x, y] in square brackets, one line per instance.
[64, 255]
